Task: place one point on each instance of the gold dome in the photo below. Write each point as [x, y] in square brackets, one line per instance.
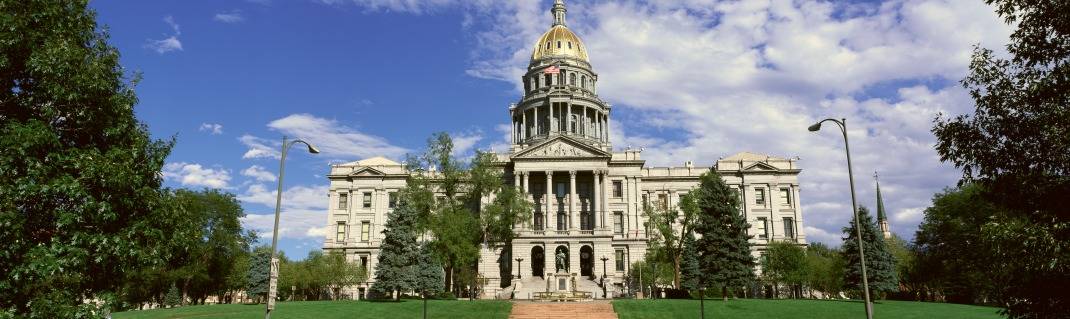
[559, 42]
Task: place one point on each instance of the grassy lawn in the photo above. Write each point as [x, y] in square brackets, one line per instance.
[796, 309]
[335, 309]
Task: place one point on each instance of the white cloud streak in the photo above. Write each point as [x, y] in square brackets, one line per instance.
[303, 215]
[195, 175]
[211, 128]
[229, 17]
[259, 173]
[170, 43]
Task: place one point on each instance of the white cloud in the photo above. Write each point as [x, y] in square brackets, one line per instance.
[190, 174]
[464, 143]
[259, 148]
[408, 6]
[229, 17]
[304, 210]
[170, 43]
[334, 140]
[214, 129]
[258, 173]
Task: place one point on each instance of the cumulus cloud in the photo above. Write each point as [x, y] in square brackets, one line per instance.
[464, 143]
[334, 140]
[214, 129]
[259, 148]
[191, 174]
[229, 17]
[303, 214]
[170, 43]
[258, 173]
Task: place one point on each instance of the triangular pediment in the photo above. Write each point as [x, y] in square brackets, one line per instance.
[760, 166]
[562, 147]
[367, 171]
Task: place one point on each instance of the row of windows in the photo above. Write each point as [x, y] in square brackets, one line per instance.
[365, 231]
[343, 200]
[763, 227]
[759, 197]
[550, 43]
[547, 80]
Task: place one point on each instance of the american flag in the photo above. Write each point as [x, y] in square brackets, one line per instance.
[553, 69]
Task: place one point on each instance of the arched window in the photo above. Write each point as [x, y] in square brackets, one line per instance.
[570, 44]
[558, 44]
[547, 45]
[549, 80]
[572, 79]
[583, 81]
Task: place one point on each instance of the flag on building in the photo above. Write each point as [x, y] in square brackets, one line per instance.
[553, 69]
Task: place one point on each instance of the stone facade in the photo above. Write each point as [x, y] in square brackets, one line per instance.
[588, 197]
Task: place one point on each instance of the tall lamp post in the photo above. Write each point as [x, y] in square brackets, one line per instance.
[842, 123]
[518, 265]
[273, 274]
[604, 258]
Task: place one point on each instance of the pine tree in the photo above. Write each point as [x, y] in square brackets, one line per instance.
[173, 297]
[429, 275]
[880, 264]
[258, 276]
[690, 273]
[724, 251]
[399, 251]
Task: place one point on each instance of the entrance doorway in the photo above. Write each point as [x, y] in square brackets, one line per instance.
[587, 261]
[538, 261]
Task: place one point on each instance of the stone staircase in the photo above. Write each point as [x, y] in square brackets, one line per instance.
[530, 285]
[600, 309]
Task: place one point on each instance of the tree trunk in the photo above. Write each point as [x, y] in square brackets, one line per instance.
[724, 293]
[185, 289]
[676, 271]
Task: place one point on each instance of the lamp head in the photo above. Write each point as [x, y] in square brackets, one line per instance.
[816, 127]
[312, 149]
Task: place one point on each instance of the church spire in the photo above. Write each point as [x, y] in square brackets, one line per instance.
[559, 12]
[882, 217]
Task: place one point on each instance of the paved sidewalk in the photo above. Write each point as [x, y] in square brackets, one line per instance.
[600, 309]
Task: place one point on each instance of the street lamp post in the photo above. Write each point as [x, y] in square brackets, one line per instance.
[273, 273]
[604, 258]
[842, 123]
[518, 267]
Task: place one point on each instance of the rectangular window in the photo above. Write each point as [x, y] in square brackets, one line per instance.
[618, 223]
[367, 200]
[785, 197]
[618, 189]
[364, 262]
[561, 190]
[763, 227]
[340, 232]
[646, 200]
[789, 227]
[393, 199]
[620, 260]
[759, 197]
[365, 230]
[343, 201]
[663, 202]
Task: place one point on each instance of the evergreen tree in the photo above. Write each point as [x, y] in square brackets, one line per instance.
[429, 275]
[690, 273]
[880, 264]
[258, 276]
[723, 249]
[79, 174]
[399, 250]
[173, 297]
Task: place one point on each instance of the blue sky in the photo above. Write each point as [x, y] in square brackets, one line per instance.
[689, 80]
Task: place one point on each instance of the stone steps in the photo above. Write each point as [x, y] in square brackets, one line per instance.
[563, 310]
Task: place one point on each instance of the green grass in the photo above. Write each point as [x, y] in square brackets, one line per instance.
[334, 309]
[796, 309]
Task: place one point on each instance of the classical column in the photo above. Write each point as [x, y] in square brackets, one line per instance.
[638, 185]
[553, 124]
[524, 127]
[596, 209]
[605, 196]
[536, 110]
[572, 200]
[584, 119]
[512, 122]
[516, 179]
[607, 127]
[549, 198]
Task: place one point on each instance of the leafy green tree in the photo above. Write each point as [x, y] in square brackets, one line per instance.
[1016, 147]
[399, 249]
[217, 241]
[723, 248]
[905, 267]
[257, 278]
[825, 269]
[79, 174]
[880, 264]
[671, 228]
[785, 263]
[950, 242]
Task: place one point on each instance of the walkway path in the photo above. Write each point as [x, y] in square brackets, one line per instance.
[600, 309]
